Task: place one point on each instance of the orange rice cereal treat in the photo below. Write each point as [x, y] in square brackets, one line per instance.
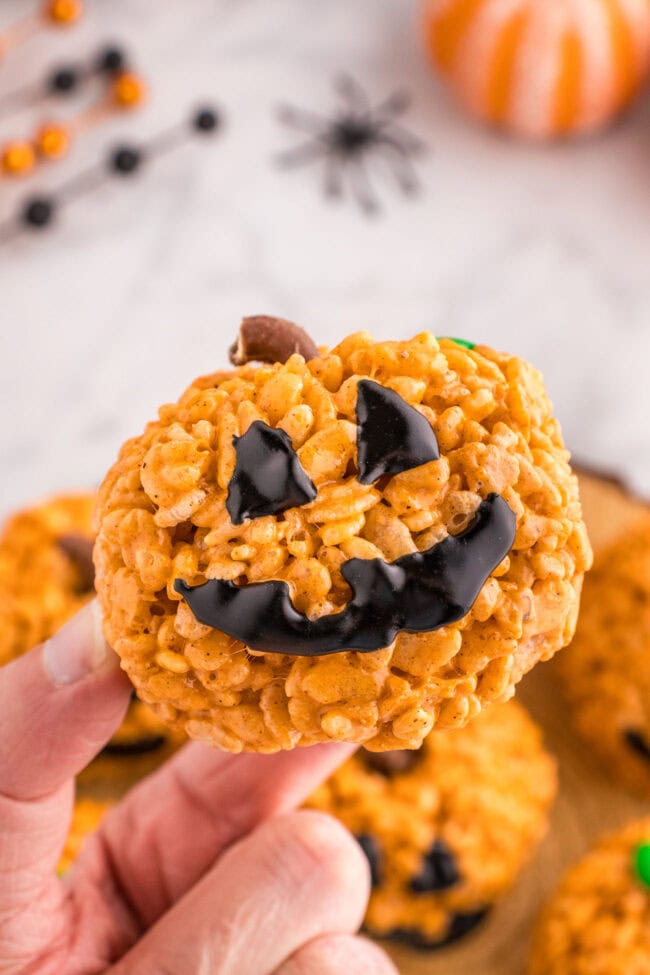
[446, 829]
[598, 920]
[86, 818]
[46, 570]
[604, 674]
[46, 575]
[355, 544]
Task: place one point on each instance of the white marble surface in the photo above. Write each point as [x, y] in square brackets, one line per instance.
[545, 251]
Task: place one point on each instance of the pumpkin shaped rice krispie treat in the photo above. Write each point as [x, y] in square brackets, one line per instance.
[598, 920]
[46, 576]
[353, 544]
[446, 829]
[46, 570]
[604, 674]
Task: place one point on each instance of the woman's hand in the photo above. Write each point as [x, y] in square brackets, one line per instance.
[205, 868]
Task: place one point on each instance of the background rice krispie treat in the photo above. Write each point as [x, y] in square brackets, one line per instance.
[46, 570]
[46, 575]
[358, 544]
[604, 674]
[598, 920]
[446, 829]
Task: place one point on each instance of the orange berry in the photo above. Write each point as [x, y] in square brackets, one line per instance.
[17, 158]
[128, 90]
[52, 141]
[63, 12]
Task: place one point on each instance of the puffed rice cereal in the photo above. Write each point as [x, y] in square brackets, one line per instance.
[45, 576]
[598, 920]
[448, 828]
[173, 514]
[604, 674]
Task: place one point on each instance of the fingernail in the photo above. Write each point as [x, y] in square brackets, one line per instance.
[78, 649]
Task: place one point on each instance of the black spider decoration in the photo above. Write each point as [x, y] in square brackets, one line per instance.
[348, 140]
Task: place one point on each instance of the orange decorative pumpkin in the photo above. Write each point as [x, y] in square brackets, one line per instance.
[541, 68]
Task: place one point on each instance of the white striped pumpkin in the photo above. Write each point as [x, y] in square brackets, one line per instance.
[542, 68]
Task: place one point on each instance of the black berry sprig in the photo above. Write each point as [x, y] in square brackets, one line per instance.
[65, 80]
[40, 211]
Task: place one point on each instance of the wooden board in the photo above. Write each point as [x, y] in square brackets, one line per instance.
[588, 804]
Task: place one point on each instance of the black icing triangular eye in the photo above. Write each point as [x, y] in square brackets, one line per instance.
[391, 435]
[438, 870]
[268, 477]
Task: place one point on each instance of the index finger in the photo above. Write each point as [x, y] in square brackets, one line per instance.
[172, 827]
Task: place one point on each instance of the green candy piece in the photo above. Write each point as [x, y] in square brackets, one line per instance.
[641, 862]
[463, 342]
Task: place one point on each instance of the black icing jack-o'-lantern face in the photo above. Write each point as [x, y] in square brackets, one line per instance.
[417, 593]
[438, 873]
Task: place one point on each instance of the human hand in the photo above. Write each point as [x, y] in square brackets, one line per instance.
[205, 868]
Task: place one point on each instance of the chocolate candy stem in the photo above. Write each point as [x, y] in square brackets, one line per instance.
[263, 338]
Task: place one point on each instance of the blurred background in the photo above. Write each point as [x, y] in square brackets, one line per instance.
[139, 285]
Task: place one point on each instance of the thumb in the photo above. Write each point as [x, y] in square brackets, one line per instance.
[60, 703]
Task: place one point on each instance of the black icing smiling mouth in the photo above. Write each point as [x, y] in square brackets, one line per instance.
[416, 593]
